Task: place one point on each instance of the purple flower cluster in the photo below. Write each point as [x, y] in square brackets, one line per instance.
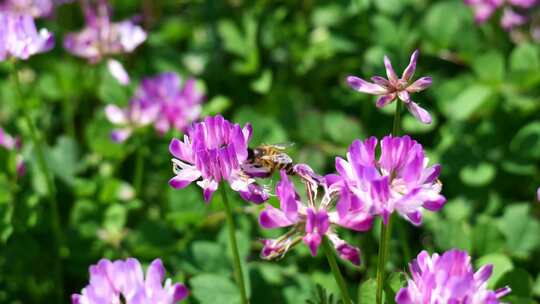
[393, 87]
[514, 11]
[160, 100]
[399, 180]
[10, 143]
[449, 278]
[311, 220]
[19, 37]
[34, 8]
[124, 282]
[101, 37]
[212, 151]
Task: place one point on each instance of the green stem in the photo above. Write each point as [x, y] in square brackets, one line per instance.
[51, 189]
[139, 170]
[234, 246]
[69, 117]
[335, 270]
[386, 230]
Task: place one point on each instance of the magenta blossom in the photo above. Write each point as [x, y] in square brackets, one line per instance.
[449, 278]
[137, 115]
[484, 9]
[212, 151]
[124, 282]
[10, 143]
[34, 8]
[180, 105]
[309, 221]
[19, 37]
[101, 37]
[393, 87]
[160, 100]
[400, 180]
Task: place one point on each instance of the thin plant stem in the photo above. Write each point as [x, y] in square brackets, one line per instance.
[139, 170]
[386, 230]
[51, 189]
[234, 247]
[336, 272]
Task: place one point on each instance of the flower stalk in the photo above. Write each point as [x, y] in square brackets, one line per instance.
[51, 189]
[238, 273]
[336, 272]
[386, 230]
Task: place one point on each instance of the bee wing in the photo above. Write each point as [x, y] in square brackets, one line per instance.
[281, 146]
[281, 158]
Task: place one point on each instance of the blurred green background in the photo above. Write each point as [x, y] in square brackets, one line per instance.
[279, 65]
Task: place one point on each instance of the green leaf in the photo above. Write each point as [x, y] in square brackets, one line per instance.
[468, 102]
[367, 293]
[115, 218]
[263, 84]
[478, 175]
[501, 264]
[519, 280]
[63, 159]
[216, 105]
[207, 288]
[487, 237]
[393, 284]
[412, 125]
[526, 142]
[520, 230]
[524, 58]
[208, 257]
[490, 66]
[446, 231]
[341, 128]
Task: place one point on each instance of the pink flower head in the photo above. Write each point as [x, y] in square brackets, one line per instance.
[19, 37]
[400, 180]
[101, 37]
[393, 87]
[10, 143]
[214, 150]
[179, 105]
[449, 278]
[510, 19]
[309, 221]
[483, 9]
[138, 114]
[112, 281]
[34, 8]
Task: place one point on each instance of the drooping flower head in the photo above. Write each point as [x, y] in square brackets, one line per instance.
[399, 180]
[19, 37]
[179, 105]
[394, 88]
[159, 100]
[213, 151]
[310, 220]
[123, 281]
[449, 278]
[10, 143]
[34, 8]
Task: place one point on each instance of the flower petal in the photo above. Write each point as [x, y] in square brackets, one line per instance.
[420, 84]
[392, 77]
[273, 218]
[115, 115]
[409, 70]
[117, 71]
[385, 99]
[419, 113]
[363, 86]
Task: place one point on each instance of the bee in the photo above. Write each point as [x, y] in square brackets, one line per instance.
[263, 160]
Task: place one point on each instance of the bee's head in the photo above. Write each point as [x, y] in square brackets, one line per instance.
[251, 154]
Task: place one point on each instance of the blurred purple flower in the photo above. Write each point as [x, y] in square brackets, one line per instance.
[449, 278]
[160, 100]
[310, 222]
[538, 194]
[34, 8]
[10, 143]
[180, 105]
[510, 19]
[124, 282]
[400, 180]
[101, 37]
[214, 150]
[19, 37]
[484, 9]
[138, 114]
[393, 87]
